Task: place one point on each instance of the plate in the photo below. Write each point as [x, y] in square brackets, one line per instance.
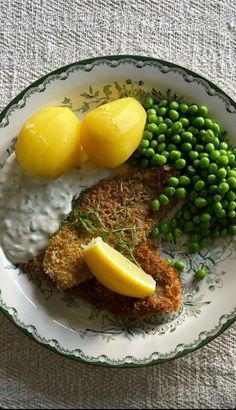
[71, 327]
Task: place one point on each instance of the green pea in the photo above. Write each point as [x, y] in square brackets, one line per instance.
[223, 160]
[231, 196]
[232, 214]
[232, 229]
[204, 242]
[163, 103]
[161, 129]
[180, 163]
[176, 139]
[161, 138]
[203, 110]
[168, 132]
[215, 128]
[174, 155]
[155, 205]
[217, 206]
[190, 170]
[196, 163]
[168, 122]
[184, 121]
[183, 107]
[223, 188]
[231, 205]
[200, 202]
[152, 127]
[177, 233]
[177, 127]
[144, 144]
[210, 147]
[174, 105]
[215, 234]
[171, 147]
[155, 232]
[152, 118]
[161, 111]
[169, 191]
[147, 135]
[149, 152]
[198, 122]
[193, 195]
[170, 262]
[151, 111]
[164, 228]
[193, 155]
[200, 274]
[184, 180]
[231, 158]
[163, 199]
[214, 155]
[180, 193]
[199, 147]
[148, 103]
[208, 123]
[232, 182]
[173, 181]
[141, 151]
[153, 144]
[204, 163]
[179, 265]
[193, 109]
[211, 179]
[193, 247]
[221, 173]
[169, 236]
[161, 147]
[187, 136]
[212, 168]
[213, 189]
[205, 217]
[174, 115]
[173, 223]
[199, 185]
[186, 146]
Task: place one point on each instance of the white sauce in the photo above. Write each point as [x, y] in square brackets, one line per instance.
[32, 208]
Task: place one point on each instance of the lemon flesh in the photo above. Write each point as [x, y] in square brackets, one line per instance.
[49, 143]
[112, 132]
[116, 272]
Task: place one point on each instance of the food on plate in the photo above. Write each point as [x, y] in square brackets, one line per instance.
[116, 272]
[113, 131]
[49, 143]
[104, 251]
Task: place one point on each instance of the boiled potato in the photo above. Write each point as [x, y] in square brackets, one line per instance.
[49, 143]
[112, 132]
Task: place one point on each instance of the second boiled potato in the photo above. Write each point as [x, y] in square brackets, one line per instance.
[112, 132]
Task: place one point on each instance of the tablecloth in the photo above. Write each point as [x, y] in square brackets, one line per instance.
[39, 36]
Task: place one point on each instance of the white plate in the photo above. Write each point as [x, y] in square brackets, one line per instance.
[72, 327]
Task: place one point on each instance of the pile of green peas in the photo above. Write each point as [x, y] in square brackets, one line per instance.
[184, 136]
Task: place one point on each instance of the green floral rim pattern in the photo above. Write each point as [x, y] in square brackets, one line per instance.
[19, 102]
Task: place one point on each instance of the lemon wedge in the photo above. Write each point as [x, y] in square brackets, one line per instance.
[116, 272]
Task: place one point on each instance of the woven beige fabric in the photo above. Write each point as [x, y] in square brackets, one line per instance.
[39, 36]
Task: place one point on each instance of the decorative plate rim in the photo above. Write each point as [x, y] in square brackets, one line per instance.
[11, 313]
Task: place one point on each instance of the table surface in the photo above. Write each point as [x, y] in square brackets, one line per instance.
[39, 36]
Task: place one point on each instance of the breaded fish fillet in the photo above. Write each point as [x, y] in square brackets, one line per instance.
[118, 210]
